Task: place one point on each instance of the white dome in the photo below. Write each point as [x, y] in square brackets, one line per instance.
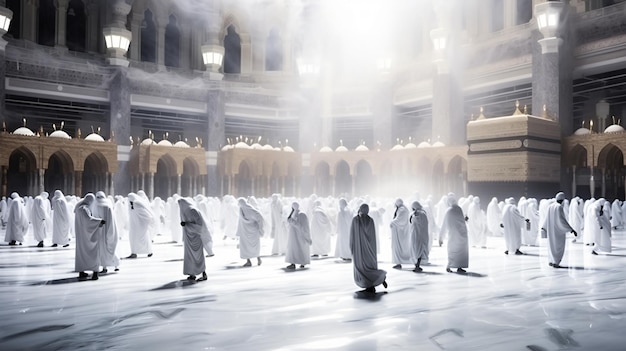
[410, 146]
[361, 148]
[181, 143]
[147, 141]
[60, 134]
[614, 128]
[288, 149]
[94, 137]
[24, 131]
[277, 149]
[423, 144]
[257, 146]
[227, 147]
[164, 142]
[397, 147]
[341, 149]
[267, 147]
[582, 131]
[242, 145]
[326, 149]
[439, 144]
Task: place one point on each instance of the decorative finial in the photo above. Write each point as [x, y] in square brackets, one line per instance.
[62, 124]
[286, 141]
[40, 131]
[259, 140]
[24, 121]
[167, 135]
[180, 137]
[54, 126]
[591, 125]
[98, 130]
[341, 142]
[471, 117]
[613, 119]
[78, 133]
[481, 116]
[545, 111]
[525, 109]
[132, 142]
[4, 126]
[92, 131]
[112, 138]
[517, 111]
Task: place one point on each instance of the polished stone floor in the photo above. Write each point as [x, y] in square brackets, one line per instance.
[503, 303]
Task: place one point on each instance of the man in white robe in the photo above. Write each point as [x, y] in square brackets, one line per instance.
[591, 229]
[531, 231]
[230, 217]
[362, 245]
[60, 220]
[575, 215]
[86, 229]
[141, 220]
[494, 218]
[344, 220]
[616, 214]
[602, 239]
[555, 226]
[17, 221]
[419, 232]
[476, 224]
[195, 235]
[512, 222]
[107, 233]
[299, 242]
[173, 218]
[4, 209]
[458, 246]
[321, 229]
[249, 231]
[40, 218]
[120, 212]
[278, 228]
[400, 236]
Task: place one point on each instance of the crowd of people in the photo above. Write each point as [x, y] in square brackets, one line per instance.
[305, 228]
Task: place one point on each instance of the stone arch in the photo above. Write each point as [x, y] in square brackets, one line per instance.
[76, 24]
[243, 178]
[95, 169]
[232, 50]
[59, 173]
[322, 179]
[148, 36]
[611, 163]
[21, 171]
[189, 177]
[457, 175]
[165, 176]
[343, 179]
[363, 179]
[273, 51]
[577, 156]
[609, 157]
[47, 19]
[172, 42]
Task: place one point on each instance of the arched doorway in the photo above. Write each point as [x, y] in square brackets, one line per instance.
[274, 52]
[611, 164]
[46, 23]
[95, 173]
[60, 174]
[343, 180]
[232, 51]
[22, 172]
[76, 26]
[437, 180]
[243, 180]
[577, 163]
[148, 37]
[165, 178]
[364, 180]
[322, 179]
[189, 179]
[457, 175]
[172, 43]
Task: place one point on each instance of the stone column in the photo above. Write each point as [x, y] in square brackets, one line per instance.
[93, 32]
[61, 23]
[41, 180]
[78, 175]
[383, 119]
[216, 137]
[2, 77]
[603, 174]
[4, 181]
[135, 44]
[143, 181]
[573, 181]
[162, 22]
[30, 20]
[120, 127]
[178, 184]
[151, 185]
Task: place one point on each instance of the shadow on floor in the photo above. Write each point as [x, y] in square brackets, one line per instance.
[183, 283]
[364, 295]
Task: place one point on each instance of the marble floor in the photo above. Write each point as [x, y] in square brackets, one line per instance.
[503, 303]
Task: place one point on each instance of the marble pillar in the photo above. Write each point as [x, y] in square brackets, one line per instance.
[120, 127]
[216, 138]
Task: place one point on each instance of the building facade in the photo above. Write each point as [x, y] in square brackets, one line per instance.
[310, 96]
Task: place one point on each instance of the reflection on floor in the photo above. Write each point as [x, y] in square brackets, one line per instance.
[503, 303]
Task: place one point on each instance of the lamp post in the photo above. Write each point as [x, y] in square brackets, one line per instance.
[116, 36]
[212, 57]
[548, 17]
[6, 16]
[439, 37]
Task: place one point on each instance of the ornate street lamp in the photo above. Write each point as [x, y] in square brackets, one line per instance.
[116, 36]
[5, 21]
[212, 56]
[548, 17]
[308, 67]
[439, 37]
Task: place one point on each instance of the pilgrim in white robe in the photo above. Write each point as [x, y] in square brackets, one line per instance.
[321, 229]
[513, 223]
[249, 231]
[362, 246]
[400, 236]
[344, 220]
[458, 247]
[616, 214]
[299, 242]
[107, 233]
[494, 218]
[603, 234]
[433, 230]
[556, 227]
[278, 228]
[4, 209]
[419, 233]
[86, 229]
[230, 217]
[60, 220]
[476, 224]
[141, 220]
[195, 235]
[40, 218]
[17, 221]
[530, 232]
[591, 229]
[543, 212]
[575, 216]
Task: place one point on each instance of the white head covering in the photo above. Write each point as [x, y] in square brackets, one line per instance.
[560, 196]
